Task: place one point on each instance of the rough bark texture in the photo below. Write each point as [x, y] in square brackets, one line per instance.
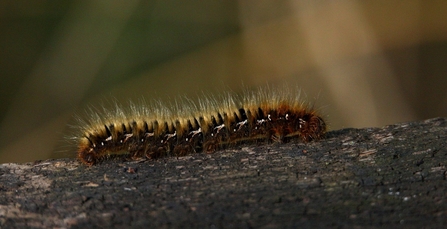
[374, 177]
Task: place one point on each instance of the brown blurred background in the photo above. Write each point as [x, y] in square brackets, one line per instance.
[369, 63]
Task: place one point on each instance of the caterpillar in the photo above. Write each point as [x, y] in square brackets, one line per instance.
[205, 126]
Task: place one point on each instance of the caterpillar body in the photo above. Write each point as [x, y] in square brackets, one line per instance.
[211, 124]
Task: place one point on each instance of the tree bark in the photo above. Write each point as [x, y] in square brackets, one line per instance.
[393, 176]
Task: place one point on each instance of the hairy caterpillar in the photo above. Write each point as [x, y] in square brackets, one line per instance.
[210, 124]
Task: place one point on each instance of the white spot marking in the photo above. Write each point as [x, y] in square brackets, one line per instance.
[302, 122]
[240, 124]
[218, 128]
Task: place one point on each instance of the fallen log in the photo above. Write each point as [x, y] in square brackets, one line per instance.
[394, 176]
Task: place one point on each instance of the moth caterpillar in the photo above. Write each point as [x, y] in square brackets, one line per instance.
[206, 126]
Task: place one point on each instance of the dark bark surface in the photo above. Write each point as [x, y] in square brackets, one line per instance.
[373, 177]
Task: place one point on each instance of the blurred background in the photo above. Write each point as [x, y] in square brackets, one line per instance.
[365, 63]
